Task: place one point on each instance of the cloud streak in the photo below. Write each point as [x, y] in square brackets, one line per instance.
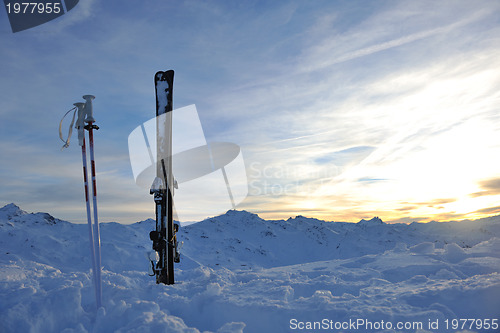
[488, 187]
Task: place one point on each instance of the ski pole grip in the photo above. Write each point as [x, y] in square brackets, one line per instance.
[88, 108]
[80, 122]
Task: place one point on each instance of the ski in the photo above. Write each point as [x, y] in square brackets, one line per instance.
[163, 237]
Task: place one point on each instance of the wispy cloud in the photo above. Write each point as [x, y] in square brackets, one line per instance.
[488, 187]
[489, 210]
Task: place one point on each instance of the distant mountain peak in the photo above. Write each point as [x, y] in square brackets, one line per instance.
[239, 215]
[373, 221]
[303, 218]
[233, 215]
[10, 207]
[11, 210]
[235, 212]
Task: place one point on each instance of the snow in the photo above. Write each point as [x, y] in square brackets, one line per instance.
[240, 273]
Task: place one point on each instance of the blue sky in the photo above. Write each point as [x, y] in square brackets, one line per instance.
[343, 109]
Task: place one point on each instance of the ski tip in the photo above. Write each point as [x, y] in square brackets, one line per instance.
[164, 75]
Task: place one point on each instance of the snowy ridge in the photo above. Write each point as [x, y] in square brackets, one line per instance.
[13, 213]
[242, 238]
[240, 273]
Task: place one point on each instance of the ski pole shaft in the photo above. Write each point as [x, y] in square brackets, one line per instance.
[89, 219]
[85, 115]
[97, 242]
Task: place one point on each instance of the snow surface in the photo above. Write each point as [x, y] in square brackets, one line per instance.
[240, 273]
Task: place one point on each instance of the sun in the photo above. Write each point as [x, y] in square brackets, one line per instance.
[309, 204]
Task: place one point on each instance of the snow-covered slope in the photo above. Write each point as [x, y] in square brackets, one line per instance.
[241, 238]
[242, 273]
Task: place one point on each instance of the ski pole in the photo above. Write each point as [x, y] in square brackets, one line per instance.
[97, 242]
[89, 220]
[81, 138]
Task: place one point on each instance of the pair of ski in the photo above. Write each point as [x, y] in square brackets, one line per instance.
[164, 236]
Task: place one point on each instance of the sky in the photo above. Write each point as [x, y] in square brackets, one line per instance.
[342, 110]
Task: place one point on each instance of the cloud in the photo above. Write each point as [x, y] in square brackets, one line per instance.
[488, 187]
[489, 210]
[47, 179]
[437, 202]
[385, 29]
[406, 208]
[408, 220]
[366, 51]
[345, 156]
[81, 13]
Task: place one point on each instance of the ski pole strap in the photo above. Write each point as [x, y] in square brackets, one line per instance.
[66, 142]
